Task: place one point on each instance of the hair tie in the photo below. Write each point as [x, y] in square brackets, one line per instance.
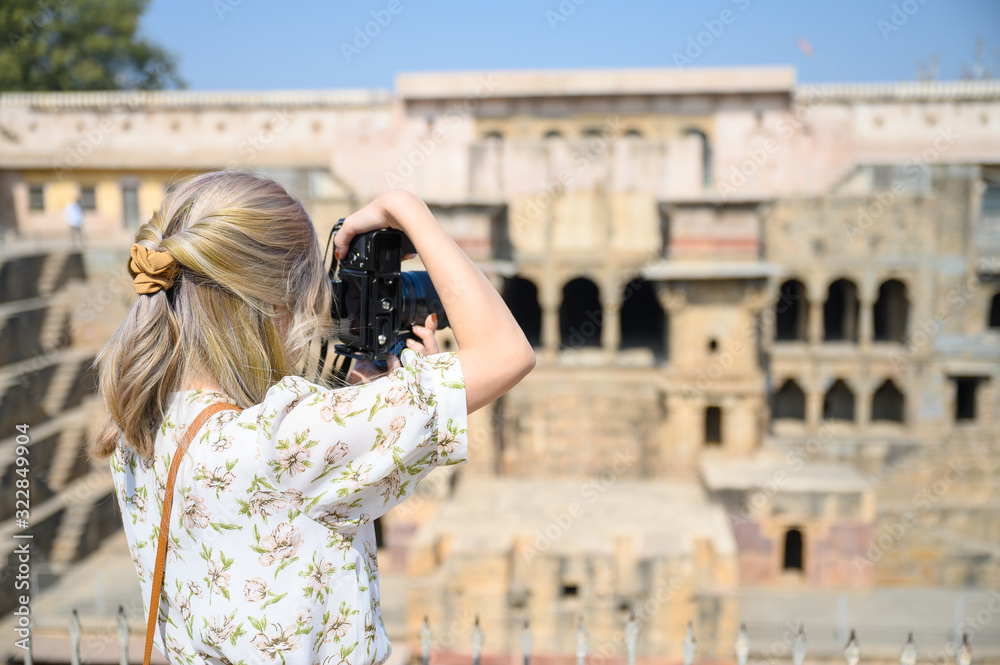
[152, 270]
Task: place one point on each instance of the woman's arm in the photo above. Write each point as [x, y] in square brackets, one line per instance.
[493, 350]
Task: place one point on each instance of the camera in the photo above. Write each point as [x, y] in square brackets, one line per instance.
[375, 303]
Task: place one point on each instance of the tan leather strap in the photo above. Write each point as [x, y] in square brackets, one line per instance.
[168, 501]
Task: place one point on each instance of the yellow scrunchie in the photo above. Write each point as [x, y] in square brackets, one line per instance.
[152, 270]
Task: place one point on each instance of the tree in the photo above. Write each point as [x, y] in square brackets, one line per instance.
[80, 45]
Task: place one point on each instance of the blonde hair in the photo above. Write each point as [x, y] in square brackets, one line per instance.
[248, 254]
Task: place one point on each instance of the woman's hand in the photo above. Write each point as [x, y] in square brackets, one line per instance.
[372, 217]
[427, 346]
[493, 351]
[364, 371]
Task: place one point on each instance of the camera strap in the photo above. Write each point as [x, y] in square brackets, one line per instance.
[168, 501]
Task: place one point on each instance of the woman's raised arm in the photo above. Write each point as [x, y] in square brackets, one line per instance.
[492, 348]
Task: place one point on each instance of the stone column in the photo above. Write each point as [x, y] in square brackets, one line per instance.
[611, 325]
[549, 297]
[866, 316]
[673, 299]
[863, 403]
[814, 406]
[814, 332]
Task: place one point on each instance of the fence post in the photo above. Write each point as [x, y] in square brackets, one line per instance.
[526, 643]
[581, 642]
[477, 642]
[800, 647]
[908, 656]
[426, 640]
[123, 634]
[29, 657]
[964, 654]
[74, 638]
[852, 650]
[690, 645]
[631, 637]
[742, 646]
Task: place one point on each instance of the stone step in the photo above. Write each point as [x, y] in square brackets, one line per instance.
[47, 281]
[66, 452]
[79, 499]
[60, 386]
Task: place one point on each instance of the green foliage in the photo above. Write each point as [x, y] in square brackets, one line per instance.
[80, 45]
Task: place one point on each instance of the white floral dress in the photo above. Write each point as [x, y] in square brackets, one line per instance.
[271, 553]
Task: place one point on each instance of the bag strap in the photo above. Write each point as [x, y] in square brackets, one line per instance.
[168, 501]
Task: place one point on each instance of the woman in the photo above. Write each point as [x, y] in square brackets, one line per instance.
[270, 551]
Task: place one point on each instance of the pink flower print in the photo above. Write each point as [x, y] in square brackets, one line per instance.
[389, 486]
[218, 579]
[276, 641]
[220, 628]
[194, 515]
[140, 567]
[447, 443]
[280, 545]
[292, 459]
[338, 403]
[319, 575]
[176, 648]
[224, 443]
[396, 395]
[355, 479]
[215, 479]
[334, 516]
[184, 605]
[194, 588]
[255, 590]
[336, 628]
[335, 453]
[294, 497]
[266, 502]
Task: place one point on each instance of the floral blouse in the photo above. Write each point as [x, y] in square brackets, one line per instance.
[271, 552]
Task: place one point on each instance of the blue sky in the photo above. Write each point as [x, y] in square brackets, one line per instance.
[259, 45]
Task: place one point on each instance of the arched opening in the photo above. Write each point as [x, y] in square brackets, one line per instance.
[706, 155]
[792, 311]
[891, 312]
[633, 133]
[553, 134]
[888, 403]
[493, 136]
[521, 296]
[642, 318]
[995, 311]
[713, 426]
[790, 402]
[838, 403]
[840, 312]
[793, 559]
[591, 132]
[580, 315]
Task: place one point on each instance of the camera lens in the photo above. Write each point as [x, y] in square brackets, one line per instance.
[419, 300]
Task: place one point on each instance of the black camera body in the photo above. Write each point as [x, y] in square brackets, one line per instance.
[375, 303]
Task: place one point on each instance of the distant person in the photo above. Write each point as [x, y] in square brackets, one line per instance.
[74, 219]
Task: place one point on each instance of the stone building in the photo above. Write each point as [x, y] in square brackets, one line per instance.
[766, 315]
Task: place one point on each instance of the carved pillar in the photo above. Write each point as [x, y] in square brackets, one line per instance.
[673, 299]
[815, 331]
[611, 326]
[863, 404]
[549, 297]
[814, 406]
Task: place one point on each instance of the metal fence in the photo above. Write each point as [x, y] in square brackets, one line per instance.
[764, 634]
